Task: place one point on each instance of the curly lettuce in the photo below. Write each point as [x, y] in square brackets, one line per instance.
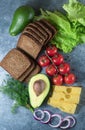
[70, 26]
[75, 11]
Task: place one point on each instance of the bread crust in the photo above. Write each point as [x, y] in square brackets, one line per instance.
[34, 72]
[15, 63]
[27, 72]
[28, 45]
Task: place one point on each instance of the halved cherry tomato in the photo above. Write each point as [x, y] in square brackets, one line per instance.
[51, 70]
[57, 80]
[69, 78]
[58, 59]
[51, 50]
[64, 68]
[43, 61]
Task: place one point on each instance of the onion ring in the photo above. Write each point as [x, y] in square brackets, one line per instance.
[64, 127]
[59, 120]
[40, 116]
[72, 119]
[48, 119]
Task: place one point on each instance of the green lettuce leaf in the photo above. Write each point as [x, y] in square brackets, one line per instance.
[70, 26]
[66, 38]
[75, 11]
[57, 18]
[65, 42]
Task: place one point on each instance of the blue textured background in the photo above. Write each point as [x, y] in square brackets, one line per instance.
[23, 119]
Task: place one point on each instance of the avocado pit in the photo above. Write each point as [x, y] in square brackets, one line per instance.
[39, 87]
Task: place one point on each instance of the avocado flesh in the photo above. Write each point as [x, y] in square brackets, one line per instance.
[35, 100]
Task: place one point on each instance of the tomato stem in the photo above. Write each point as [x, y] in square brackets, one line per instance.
[51, 61]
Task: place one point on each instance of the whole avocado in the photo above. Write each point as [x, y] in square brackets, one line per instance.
[22, 16]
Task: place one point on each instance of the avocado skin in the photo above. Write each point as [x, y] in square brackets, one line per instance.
[37, 101]
[22, 16]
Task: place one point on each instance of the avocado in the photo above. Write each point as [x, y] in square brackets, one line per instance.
[38, 87]
[21, 18]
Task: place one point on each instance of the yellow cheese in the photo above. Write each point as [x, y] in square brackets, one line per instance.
[64, 97]
[68, 89]
[65, 107]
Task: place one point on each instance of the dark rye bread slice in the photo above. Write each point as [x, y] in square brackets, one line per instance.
[40, 29]
[32, 33]
[29, 45]
[36, 31]
[46, 29]
[15, 63]
[32, 37]
[35, 71]
[27, 72]
[49, 25]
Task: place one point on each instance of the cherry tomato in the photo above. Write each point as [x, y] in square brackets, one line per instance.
[58, 80]
[43, 61]
[58, 59]
[51, 70]
[64, 68]
[69, 78]
[51, 50]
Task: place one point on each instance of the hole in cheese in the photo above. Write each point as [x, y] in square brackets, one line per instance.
[68, 90]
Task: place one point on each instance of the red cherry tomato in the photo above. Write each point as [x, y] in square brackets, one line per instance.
[51, 50]
[51, 70]
[43, 61]
[58, 80]
[58, 59]
[64, 68]
[69, 78]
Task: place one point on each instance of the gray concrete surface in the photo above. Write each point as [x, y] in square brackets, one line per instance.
[23, 119]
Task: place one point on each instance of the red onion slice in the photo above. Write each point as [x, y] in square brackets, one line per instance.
[38, 114]
[47, 117]
[72, 120]
[58, 122]
[65, 124]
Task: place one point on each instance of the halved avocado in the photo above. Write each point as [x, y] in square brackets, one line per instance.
[38, 88]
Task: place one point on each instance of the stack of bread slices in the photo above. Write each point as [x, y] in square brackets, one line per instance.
[21, 62]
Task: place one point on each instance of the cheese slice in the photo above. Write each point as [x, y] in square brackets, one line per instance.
[65, 107]
[67, 89]
[64, 97]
